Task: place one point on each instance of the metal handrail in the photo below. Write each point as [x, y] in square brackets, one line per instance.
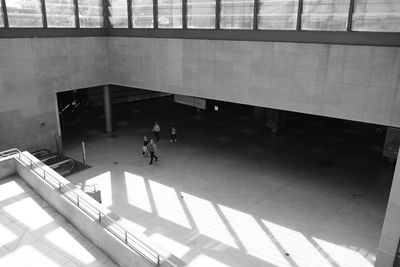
[34, 153]
[112, 226]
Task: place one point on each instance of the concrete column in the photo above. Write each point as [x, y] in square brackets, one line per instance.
[275, 119]
[390, 235]
[107, 109]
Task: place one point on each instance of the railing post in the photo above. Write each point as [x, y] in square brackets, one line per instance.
[59, 188]
[83, 154]
[44, 175]
[126, 236]
[99, 216]
[158, 260]
[31, 162]
[77, 201]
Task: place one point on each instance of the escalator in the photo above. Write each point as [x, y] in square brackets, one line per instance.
[66, 166]
[59, 163]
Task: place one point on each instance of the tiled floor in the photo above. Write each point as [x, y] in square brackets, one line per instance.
[229, 193]
[33, 234]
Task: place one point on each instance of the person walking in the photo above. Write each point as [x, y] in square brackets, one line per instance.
[173, 134]
[144, 148]
[156, 131]
[152, 149]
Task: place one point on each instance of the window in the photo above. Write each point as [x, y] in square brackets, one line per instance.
[201, 14]
[170, 13]
[142, 13]
[327, 15]
[278, 14]
[90, 13]
[237, 14]
[1, 16]
[60, 13]
[376, 15]
[119, 13]
[24, 13]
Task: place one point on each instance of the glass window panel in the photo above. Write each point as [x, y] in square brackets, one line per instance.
[1, 16]
[60, 13]
[327, 15]
[119, 13]
[90, 13]
[142, 13]
[170, 13]
[237, 14]
[201, 14]
[24, 13]
[278, 14]
[376, 15]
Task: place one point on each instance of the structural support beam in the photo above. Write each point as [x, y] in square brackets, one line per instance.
[129, 14]
[299, 13]
[155, 14]
[5, 16]
[77, 22]
[106, 14]
[274, 119]
[108, 120]
[390, 235]
[217, 14]
[184, 14]
[255, 14]
[350, 16]
[44, 14]
[319, 37]
[50, 32]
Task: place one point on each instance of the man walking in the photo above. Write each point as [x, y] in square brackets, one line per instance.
[156, 131]
[152, 149]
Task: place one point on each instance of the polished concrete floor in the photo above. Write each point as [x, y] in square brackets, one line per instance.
[230, 193]
[33, 234]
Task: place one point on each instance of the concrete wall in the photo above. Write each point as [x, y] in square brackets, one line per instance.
[352, 82]
[390, 235]
[31, 71]
[7, 166]
[93, 230]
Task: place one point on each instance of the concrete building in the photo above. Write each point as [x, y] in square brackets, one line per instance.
[331, 60]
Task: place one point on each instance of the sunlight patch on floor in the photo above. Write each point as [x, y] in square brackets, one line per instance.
[28, 256]
[203, 260]
[301, 251]
[10, 189]
[137, 191]
[6, 236]
[28, 212]
[207, 220]
[344, 257]
[130, 225]
[168, 205]
[65, 241]
[176, 248]
[256, 242]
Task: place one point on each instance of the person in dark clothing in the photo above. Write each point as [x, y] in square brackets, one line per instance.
[152, 149]
[144, 148]
[156, 131]
[174, 132]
